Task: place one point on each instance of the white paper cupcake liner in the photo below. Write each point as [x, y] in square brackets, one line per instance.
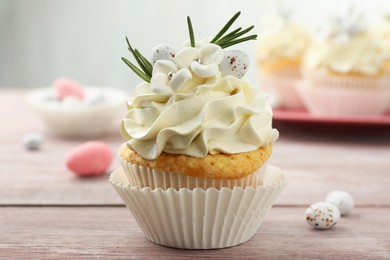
[322, 101]
[198, 218]
[283, 90]
[349, 82]
[143, 176]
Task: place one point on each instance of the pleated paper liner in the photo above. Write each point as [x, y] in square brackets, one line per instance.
[282, 87]
[198, 218]
[143, 176]
[349, 82]
[339, 101]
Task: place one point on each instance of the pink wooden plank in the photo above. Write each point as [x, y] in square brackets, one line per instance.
[112, 233]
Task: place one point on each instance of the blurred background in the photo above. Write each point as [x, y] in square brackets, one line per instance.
[41, 40]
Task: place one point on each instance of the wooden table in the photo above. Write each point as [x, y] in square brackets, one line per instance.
[46, 212]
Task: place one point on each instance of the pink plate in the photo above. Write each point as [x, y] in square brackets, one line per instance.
[303, 119]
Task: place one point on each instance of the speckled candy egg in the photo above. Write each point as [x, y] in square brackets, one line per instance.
[163, 52]
[234, 63]
[322, 215]
[342, 200]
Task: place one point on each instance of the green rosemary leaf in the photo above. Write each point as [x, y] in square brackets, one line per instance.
[190, 29]
[231, 43]
[128, 44]
[141, 60]
[235, 36]
[140, 63]
[138, 57]
[229, 35]
[145, 61]
[136, 70]
[226, 27]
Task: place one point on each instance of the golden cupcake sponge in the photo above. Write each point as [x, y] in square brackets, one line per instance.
[215, 166]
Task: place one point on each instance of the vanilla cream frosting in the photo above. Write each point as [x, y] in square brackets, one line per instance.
[220, 115]
[358, 53]
[283, 39]
[347, 47]
[382, 32]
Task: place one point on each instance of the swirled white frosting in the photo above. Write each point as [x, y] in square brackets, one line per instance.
[283, 39]
[219, 115]
[359, 53]
[382, 32]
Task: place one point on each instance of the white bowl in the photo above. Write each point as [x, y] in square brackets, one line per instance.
[78, 118]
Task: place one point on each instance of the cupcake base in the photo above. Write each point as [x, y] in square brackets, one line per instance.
[281, 86]
[339, 101]
[199, 218]
[346, 82]
[143, 176]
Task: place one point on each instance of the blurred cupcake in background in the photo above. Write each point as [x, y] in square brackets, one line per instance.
[279, 51]
[344, 71]
[382, 32]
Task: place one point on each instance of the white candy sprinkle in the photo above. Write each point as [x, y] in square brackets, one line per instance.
[32, 141]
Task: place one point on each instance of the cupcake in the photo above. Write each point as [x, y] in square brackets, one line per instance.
[279, 54]
[344, 72]
[198, 138]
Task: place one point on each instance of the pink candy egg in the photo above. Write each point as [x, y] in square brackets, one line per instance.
[89, 159]
[65, 87]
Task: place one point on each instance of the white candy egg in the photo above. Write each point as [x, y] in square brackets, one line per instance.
[32, 141]
[71, 101]
[234, 63]
[322, 215]
[163, 52]
[94, 98]
[342, 200]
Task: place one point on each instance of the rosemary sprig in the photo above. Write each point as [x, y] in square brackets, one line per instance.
[136, 70]
[236, 34]
[232, 38]
[146, 67]
[231, 43]
[226, 27]
[230, 34]
[191, 30]
[141, 60]
[145, 62]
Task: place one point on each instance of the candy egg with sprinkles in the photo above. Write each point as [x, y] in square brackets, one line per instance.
[163, 52]
[322, 215]
[234, 63]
